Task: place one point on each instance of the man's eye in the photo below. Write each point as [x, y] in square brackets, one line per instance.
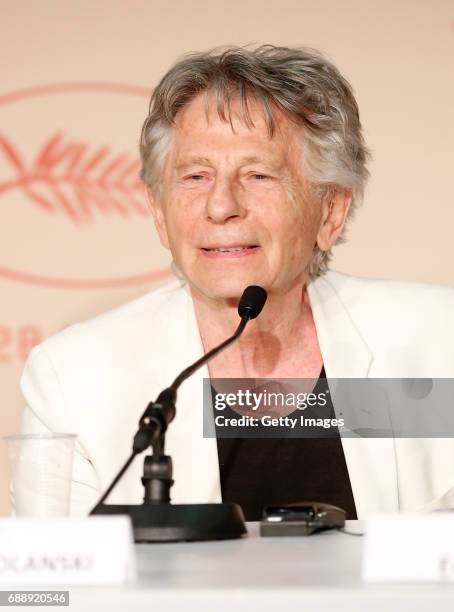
[195, 177]
[259, 177]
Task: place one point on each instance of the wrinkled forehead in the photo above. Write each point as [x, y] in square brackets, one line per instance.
[249, 111]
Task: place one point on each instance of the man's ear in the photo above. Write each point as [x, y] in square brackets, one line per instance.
[334, 215]
[159, 219]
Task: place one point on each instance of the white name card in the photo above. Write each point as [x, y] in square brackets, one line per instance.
[67, 551]
[409, 548]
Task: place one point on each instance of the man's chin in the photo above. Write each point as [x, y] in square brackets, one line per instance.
[225, 289]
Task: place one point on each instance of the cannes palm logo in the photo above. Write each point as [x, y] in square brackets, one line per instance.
[73, 210]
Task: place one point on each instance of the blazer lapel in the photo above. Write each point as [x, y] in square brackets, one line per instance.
[345, 353]
[370, 461]
[195, 458]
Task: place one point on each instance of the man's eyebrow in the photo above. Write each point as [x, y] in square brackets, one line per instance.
[193, 161]
[205, 161]
[252, 159]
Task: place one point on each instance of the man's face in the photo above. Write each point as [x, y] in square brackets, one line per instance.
[234, 208]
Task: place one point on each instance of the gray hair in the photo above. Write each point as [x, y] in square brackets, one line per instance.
[301, 82]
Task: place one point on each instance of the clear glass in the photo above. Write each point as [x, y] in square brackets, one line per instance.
[41, 473]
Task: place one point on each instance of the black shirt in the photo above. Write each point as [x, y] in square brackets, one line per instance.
[256, 472]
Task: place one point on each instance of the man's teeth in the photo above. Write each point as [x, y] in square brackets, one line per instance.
[231, 249]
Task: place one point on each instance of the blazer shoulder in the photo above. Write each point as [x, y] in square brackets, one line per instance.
[357, 290]
[406, 308]
[124, 321]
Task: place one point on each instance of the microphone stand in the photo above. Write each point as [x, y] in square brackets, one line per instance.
[156, 519]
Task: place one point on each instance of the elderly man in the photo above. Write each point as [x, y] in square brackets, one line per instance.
[254, 160]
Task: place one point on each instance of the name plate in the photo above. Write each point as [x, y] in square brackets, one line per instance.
[409, 548]
[67, 551]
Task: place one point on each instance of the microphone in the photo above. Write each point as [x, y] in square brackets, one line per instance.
[252, 301]
[159, 414]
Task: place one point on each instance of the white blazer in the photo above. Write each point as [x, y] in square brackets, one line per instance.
[96, 378]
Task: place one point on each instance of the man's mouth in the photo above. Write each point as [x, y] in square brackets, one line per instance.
[232, 249]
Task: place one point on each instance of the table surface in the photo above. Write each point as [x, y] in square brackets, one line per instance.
[325, 559]
[321, 571]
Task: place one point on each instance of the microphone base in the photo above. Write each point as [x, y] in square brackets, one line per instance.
[180, 522]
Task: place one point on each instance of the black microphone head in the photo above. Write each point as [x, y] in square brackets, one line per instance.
[252, 301]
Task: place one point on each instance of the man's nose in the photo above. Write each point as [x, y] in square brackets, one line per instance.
[223, 202]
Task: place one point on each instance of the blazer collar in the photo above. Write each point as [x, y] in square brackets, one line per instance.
[371, 462]
[344, 351]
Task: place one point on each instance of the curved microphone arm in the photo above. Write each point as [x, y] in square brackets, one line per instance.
[157, 416]
[200, 362]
